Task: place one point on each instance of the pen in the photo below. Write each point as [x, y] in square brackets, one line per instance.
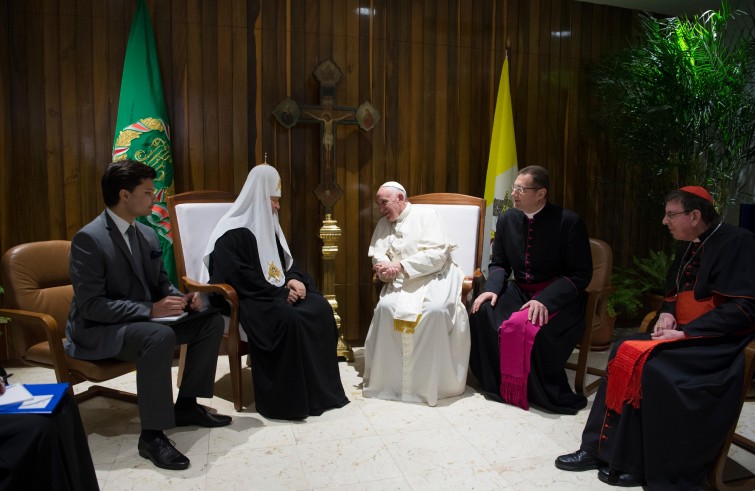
[5, 375]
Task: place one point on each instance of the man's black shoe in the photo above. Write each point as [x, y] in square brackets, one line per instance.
[618, 478]
[200, 416]
[577, 461]
[163, 454]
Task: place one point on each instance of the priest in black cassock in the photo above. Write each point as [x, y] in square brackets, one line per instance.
[525, 327]
[290, 326]
[670, 397]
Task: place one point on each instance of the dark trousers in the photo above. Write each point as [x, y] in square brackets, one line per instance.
[151, 345]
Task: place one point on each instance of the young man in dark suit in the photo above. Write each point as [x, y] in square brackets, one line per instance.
[120, 285]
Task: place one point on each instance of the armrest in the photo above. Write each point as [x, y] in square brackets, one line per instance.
[645, 325]
[223, 289]
[229, 294]
[36, 319]
[469, 283]
[597, 299]
[477, 282]
[466, 284]
[377, 283]
[604, 290]
[595, 305]
[54, 337]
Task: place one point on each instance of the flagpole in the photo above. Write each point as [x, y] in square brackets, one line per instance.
[502, 162]
[142, 129]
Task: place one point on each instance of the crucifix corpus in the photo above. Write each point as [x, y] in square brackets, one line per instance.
[328, 115]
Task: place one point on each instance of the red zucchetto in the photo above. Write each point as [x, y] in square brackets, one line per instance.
[698, 191]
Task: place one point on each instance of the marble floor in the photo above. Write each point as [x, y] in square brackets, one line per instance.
[464, 443]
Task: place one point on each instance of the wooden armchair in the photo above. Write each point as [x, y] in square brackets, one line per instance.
[597, 296]
[716, 473]
[193, 216]
[465, 218]
[38, 295]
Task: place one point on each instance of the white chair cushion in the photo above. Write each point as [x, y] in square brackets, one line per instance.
[196, 222]
[462, 222]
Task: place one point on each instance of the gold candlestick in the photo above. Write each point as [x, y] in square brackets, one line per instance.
[330, 233]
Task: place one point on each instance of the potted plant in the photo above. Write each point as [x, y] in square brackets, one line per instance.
[625, 297]
[639, 286]
[679, 103]
[3, 320]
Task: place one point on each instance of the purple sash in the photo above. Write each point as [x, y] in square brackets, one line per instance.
[516, 337]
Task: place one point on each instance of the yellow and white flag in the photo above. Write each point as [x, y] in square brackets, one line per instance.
[502, 164]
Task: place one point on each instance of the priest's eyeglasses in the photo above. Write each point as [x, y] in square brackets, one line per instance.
[521, 189]
[671, 215]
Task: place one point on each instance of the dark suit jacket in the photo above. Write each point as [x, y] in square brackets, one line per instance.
[108, 293]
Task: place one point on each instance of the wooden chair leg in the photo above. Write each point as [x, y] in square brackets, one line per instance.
[234, 362]
[181, 363]
[716, 473]
[581, 368]
[101, 391]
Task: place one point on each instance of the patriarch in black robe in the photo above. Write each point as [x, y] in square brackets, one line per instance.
[290, 326]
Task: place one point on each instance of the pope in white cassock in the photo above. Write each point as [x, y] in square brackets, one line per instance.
[417, 348]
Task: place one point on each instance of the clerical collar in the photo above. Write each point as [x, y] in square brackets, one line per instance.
[122, 224]
[530, 215]
[404, 213]
[708, 232]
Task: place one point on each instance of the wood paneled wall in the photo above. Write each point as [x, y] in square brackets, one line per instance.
[430, 67]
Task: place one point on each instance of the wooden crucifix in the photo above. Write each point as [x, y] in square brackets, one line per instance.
[327, 115]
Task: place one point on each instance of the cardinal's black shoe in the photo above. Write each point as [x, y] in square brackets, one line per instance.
[618, 478]
[577, 461]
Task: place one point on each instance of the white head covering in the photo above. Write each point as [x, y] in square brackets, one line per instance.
[252, 210]
[395, 185]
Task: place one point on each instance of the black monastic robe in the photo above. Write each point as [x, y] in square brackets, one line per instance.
[293, 347]
[552, 246]
[46, 451]
[690, 388]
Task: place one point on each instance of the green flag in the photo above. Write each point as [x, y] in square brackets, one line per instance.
[141, 131]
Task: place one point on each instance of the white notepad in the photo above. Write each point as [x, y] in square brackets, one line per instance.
[14, 394]
[169, 318]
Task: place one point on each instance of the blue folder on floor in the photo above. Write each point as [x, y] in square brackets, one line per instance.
[47, 397]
